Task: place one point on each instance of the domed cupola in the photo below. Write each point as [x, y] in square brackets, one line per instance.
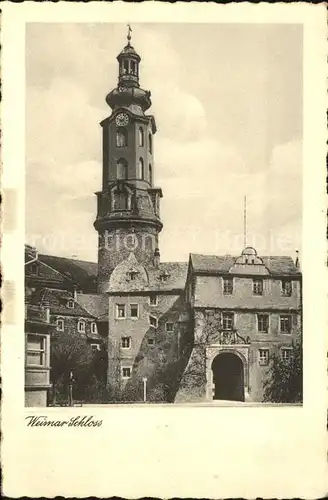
[128, 92]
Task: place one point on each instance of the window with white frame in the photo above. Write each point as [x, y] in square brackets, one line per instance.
[286, 354]
[263, 323]
[126, 372]
[153, 321]
[286, 287]
[94, 327]
[134, 311]
[153, 300]
[126, 342]
[95, 348]
[60, 325]
[263, 356]
[228, 286]
[169, 327]
[35, 350]
[227, 320]
[120, 311]
[81, 326]
[70, 304]
[285, 323]
[258, 287]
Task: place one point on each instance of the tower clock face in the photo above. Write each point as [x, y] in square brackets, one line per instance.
[122, 119]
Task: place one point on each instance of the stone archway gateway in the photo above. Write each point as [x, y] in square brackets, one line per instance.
[228, 377]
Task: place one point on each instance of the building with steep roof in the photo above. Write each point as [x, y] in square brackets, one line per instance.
[192, 331]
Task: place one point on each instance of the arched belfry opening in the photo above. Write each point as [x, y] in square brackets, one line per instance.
[228, 377]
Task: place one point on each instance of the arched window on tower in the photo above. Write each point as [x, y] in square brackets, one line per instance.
[122, 169]
[141, 169]
[133, 67]
[125, 66]
[150, 174]
[141, 137]
[121, 137]
[150, 144]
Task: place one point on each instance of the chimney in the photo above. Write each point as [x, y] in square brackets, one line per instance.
[157, 258]
[75, 293]
[46, 308]
[297, 261]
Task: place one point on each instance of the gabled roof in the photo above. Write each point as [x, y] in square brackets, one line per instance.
[95, 304]
[57, 300]
[176, 275]
[82, 273]
[276, 265]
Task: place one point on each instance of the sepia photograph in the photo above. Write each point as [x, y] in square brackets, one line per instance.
[163, 214]
[164, 254]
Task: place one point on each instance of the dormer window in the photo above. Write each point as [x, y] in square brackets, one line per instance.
[34, 269]
[132, 274]
[164, 276]
[70, 304]
[81, 326]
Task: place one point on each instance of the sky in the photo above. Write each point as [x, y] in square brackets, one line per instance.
[227, 99]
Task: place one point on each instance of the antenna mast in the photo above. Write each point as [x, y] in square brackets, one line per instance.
[245, 223]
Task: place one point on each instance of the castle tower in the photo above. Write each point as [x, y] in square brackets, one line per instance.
[128, 209]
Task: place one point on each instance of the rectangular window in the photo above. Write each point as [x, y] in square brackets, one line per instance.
[228, 286]
[93, 327]
[134, 311]
[70, 304]
[153, 300]
[126, 342]
[286, 288]
[126, 372]
[95, 347]
[258, 287]
[120, 311]
[169, 327]
[153, 321]
[286, 354]
[151, 342]
[35, 350]
[263, 323]
[285, 324]
[60, 325]
[227, 321]
[263, 356]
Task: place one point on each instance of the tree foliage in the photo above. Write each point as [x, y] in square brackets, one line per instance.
[71, 353]
[285, 377]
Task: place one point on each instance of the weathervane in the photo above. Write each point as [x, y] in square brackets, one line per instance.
[129, 33]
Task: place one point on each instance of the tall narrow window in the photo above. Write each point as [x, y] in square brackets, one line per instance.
[125, 66]
[228, 286]
[150, 143]
[35, 354]
[121, 137]
[141, 137]
[81, 326]
[263, 323]
[150, 174]
[122, 169]
[133, 67]
[286, 287]
[285, 323]
[227, 320]
[141, 172]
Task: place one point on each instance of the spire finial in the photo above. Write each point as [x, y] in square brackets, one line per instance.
[129, 33]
